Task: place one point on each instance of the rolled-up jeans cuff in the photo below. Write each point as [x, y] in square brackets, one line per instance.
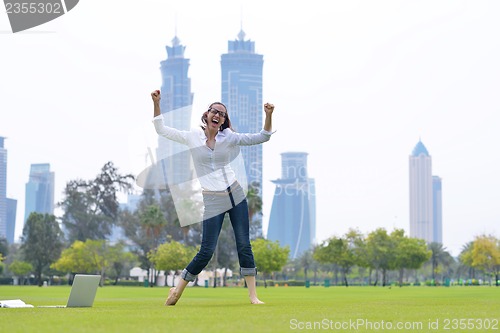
[248, 271]
[187, 276]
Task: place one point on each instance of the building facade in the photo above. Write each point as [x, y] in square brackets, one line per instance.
[11, 220]
[3, 189]
[425, 197]
[437, 210]
[39, 194]
[292, 220]
[241, 80]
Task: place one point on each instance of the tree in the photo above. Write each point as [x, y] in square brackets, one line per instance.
[486, 255]
[306, 261]
[146, 228]
[119, 260]
[380, 253]
[254, 201]
[4, 247]
[73, 259]
[171, 256]
[410, 253]
[20, 269]
[340, 251]
[91, 207]
[41, 242]
[439, 257]
[465, 258]
[146, 234]
[89, 257]
[269, 256]
[153, 222]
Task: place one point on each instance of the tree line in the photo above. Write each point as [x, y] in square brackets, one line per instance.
[78, 242]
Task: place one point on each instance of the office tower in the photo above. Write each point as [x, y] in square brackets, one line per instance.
[3, 189]
[293, 212]
[437, 210]
[242, 94]
[11, 220]
[39, 190]
[176, 106]
[425, 197]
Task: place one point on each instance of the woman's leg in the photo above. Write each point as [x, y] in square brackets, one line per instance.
[210, 234]
[175, 293]
[252, 289]
[241, 227]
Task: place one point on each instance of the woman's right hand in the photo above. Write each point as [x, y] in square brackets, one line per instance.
[155, 95]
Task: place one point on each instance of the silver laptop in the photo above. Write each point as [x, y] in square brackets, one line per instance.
[82, 292]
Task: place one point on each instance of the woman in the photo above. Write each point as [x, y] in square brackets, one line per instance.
[211, 148]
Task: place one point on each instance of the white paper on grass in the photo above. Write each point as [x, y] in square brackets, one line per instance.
[172, 169]
[14, 303]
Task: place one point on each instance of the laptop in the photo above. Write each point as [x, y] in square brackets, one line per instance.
[82, 292]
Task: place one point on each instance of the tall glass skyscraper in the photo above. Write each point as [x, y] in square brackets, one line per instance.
[293, 213]
[425, 197]
[7, 206]
[176, 106]
[437, 209]
[39, 190]
[3, 189]
[11, 220]
[241, 70]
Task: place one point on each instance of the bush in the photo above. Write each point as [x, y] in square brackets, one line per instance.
[5, 280]
[125, 283]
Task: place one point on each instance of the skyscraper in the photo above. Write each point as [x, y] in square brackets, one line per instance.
[7, 206]
[3, 189]
[11, 220]
[241, 91]
[39, 190]
[293, 212]
[437, 210]
[176, 106]
[425, 197]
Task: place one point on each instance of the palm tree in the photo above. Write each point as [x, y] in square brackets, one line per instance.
[254, 201]
[465, 258]
[153, 221]
[439, 257]
[306, 261]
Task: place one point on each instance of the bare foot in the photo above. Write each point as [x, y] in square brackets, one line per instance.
[172, 297]
[256, 301]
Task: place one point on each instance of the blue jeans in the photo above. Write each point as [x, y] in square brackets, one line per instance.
[238, 215]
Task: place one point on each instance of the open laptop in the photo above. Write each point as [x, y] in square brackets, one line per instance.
[82, 292]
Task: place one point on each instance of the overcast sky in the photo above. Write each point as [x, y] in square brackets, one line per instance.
[356, 84]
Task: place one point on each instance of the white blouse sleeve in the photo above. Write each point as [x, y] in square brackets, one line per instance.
[170, 132]
[248, 139]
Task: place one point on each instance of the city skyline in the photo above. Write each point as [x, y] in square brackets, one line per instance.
[355, 84]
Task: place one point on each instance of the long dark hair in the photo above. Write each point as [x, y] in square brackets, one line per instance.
[227, 121]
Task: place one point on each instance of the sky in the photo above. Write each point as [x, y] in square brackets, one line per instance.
[355, 84]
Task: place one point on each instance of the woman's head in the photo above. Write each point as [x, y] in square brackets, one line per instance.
[216, 116]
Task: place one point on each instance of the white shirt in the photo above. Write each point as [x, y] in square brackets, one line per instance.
[212, 166]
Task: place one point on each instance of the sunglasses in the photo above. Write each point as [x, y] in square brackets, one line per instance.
[215, 111]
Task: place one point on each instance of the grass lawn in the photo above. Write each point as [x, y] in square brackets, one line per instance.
[352, 309]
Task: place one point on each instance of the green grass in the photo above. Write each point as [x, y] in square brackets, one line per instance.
[139, 309]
